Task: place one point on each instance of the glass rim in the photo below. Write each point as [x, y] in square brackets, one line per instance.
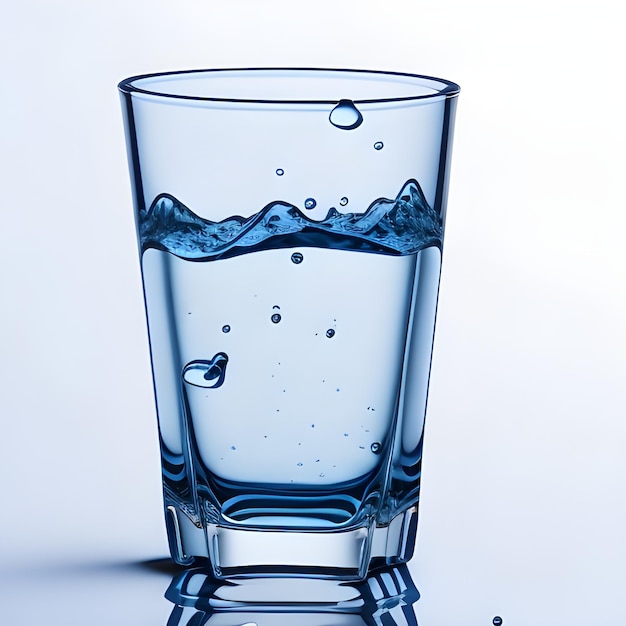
[447, 88]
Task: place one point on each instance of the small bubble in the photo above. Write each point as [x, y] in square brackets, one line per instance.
[206, 373]
[276, 318]
[345, 115]
[280, 172]
[378, 145]
[310, 203]
[343, 201]
[497, 620]
[375, 447]
[299, 464]
[330, 333]
[297, 258]
[226, 328]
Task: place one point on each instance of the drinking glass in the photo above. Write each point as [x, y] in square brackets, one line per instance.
[290, 226]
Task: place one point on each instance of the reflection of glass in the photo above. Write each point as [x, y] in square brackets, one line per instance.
[385, 598]
[290, 226]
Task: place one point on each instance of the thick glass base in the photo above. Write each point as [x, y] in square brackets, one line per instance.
[345, 554]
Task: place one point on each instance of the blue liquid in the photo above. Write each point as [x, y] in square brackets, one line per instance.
[404, 225]
[335, 356]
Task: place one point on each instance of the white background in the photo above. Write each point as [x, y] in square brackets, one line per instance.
[524, 497]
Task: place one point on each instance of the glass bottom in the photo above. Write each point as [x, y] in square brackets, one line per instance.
[345, 554]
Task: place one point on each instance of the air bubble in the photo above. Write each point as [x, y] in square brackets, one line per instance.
[310, 203]
[330, 333]
[497, 621]
[375, 447]
[276, 318]
[343, 201]
[226, 328]
[280, 172]
[345, 115]
[209, 374]
[378, 145]
[297, 258]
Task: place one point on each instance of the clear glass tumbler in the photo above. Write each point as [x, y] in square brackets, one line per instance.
[290, 226]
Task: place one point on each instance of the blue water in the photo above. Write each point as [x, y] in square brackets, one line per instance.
[403, 225]
[280, 356]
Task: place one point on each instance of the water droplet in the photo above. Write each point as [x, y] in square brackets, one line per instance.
[330, 333]
[299, 464]
[310, 203]
[378, 145]
[209, 374]
[375, 447]
[345, 115]
[297, 258]
[343, 201]
[497, 620]
[276, 318]
[226, 328]
[280, 172]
